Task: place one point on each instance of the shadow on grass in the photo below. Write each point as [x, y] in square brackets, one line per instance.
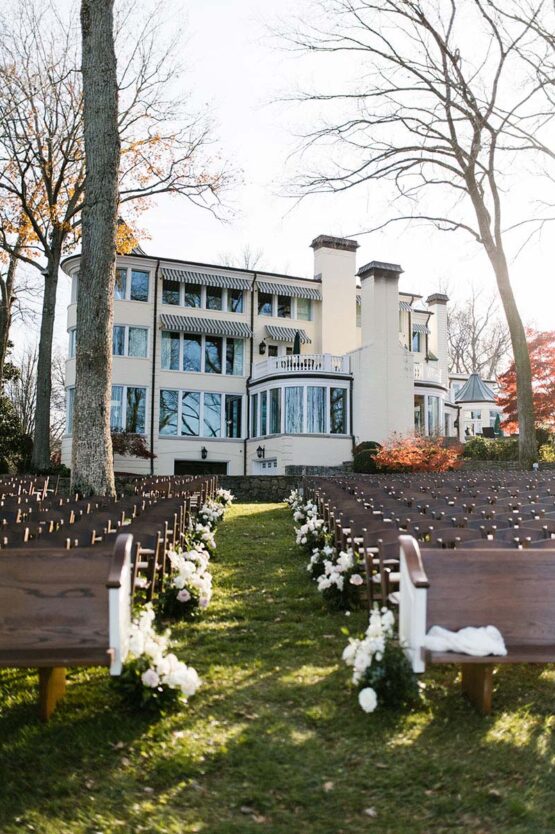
[275, 739]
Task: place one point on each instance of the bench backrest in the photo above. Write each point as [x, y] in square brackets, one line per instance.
[513, 590]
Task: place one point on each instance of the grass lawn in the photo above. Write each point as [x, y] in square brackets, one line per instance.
[275, 741]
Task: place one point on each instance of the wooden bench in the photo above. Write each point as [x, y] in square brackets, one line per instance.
[513, 590]
[62, 608]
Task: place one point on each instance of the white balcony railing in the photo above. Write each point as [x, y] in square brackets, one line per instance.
[427, 373]
[301, 364]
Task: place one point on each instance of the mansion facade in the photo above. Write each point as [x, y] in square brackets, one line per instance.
[241, 371]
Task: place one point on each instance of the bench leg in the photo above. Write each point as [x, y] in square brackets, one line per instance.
[477, 685]
[52, 686]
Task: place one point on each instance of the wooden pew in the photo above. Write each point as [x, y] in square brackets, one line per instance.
[513, 590]
[62, 608]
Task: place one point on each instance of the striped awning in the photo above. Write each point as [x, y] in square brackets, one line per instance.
[205, 326]
[405, 306]
[184, 276]
[359, 300]
[286, 334]
[420, 328]
[290, 290]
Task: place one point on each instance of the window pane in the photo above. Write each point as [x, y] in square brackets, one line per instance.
[192, 295]
[213, 354]
[254, 415]
[168, 412]
[118, 341]
[272, 350]
[275, 410]
[213, 298]
[139, 285]
[263, 412]
[338, 411]
[284, 306]
[419, 413]
[433, 415]
[304, 309]
[75, 287]
[69, 413]
[294, 410]
[135, 414]
[264, 303]
[315, 410]
[191, 353]
[170, 292]
[120, 284]
[170, 351]
[233, 409]
[234, 356]
[212, 415]
[72, 342]
[235, 301]
[116, 410]
[416, 341]
[137, 341]
[190, 413]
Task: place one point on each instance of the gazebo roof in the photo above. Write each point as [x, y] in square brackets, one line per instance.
[475, 390]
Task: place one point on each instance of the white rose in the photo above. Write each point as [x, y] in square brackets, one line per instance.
[356, 579]
[183, 595]
[150, 678]
[367, 699]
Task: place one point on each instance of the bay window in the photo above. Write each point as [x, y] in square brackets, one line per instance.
[294, 410]
[307, 409]
[315, 409]
[275, 410]
[263, 412]
[338, 411]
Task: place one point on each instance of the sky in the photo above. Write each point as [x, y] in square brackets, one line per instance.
[235, 68]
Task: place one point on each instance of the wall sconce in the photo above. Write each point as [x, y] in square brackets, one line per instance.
[261, 452]
[204, 453]
[262, 348]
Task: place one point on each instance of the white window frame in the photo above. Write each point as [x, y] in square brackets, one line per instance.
[126, 342]
[224, 339]
[203, 288]
[124, 406]
[128, 270]
[223, 433]
[316, 383]
[72, 345]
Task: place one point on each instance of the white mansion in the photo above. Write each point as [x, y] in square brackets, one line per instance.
[245, 372]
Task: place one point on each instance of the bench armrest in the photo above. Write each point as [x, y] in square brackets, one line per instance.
[119, 601]
[412, 602]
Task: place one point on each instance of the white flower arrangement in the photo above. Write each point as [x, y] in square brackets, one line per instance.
[189, 586]
[224, 497]
[294, 500]
[201, 536]
[210, 513]
[152, 675]
[380, 668]
[311, 532]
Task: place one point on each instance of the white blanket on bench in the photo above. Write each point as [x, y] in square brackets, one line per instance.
[474, 641]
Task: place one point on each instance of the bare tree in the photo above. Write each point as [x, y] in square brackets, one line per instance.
[92, 469]
[22, 392]
[445, 105]
[246, 258]
[478, 337]
[42, 166]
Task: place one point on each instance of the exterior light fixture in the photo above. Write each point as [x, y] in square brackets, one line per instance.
[262, 348]
[260, 452]
[204, 453]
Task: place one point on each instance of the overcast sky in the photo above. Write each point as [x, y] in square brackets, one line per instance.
[235, 68]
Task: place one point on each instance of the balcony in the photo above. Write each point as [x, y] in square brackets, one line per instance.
[423, 372]
[323, 363]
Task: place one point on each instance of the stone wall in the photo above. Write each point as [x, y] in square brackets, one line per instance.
[319, 471]
[260, 488]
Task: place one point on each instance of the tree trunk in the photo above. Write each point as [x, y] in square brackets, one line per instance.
[6, 304]
[41, 441]
[92, 461]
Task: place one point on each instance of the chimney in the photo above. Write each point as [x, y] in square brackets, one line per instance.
[335, 265]
[437, 340]
[380, 303]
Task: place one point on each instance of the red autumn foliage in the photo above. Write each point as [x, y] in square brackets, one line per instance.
[415, 453]
[124, 443]
[541, 346]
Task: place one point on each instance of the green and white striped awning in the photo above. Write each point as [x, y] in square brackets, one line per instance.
[420, 328]
[405, 306]
[184, 276]
[286, 334]
[289, 289]
[205, 326]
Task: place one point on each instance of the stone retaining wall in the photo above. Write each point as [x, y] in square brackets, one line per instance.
[260, 488]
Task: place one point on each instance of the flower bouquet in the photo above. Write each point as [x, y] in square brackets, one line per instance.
[188, 589]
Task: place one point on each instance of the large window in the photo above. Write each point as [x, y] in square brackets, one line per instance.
[170, 351]
[130, 341]
[128, 409]
[170, 292]
[416, 341]
[131, 285]
[202, 353]
[196, 414]
[120, 284]
[233, 415]
[192, 353]
[139, 285]
[214, 297]
[338, 411]
[433, 415]
[316, 409]
[213, 354]
[265, 302]
[192, 295]
[284, 306]
[294, 410]
[304, 309]
[275, 410]
[235, 301]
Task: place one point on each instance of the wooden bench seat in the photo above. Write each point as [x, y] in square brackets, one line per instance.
[513, 590]
[63, 608]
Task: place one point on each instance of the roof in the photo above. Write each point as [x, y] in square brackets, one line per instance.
[475, 390]
[380, 266]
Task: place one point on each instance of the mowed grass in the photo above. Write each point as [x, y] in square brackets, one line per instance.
[274, 741]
